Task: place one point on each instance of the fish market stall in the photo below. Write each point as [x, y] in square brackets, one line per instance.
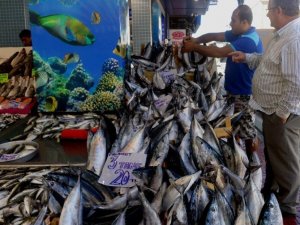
[187, 174]
[155, 139]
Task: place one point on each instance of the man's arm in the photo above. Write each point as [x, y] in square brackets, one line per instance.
[210, 37]
[290, 97]
[252, 60]
[210, 51]
[205, 38]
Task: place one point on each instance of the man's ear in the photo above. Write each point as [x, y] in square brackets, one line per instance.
[244, 22]
[280, 10]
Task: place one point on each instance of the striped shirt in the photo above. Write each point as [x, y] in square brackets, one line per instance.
[276, 81]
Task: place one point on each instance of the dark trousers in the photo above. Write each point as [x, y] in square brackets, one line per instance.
[282, 152]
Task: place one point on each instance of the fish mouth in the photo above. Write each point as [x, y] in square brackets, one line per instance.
[91, 39]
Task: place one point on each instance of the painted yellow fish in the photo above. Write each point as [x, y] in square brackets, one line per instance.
[50, 104]
[120, 49]
[95, 17]
[71, 58]
[66, 28]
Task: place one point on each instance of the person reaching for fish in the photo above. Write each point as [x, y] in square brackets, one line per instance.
[238, 77]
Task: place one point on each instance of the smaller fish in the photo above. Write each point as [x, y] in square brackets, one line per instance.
[72, 210]
[95, 17]
[71, 58]
[271, 213]
[50, 104]
[120, 49]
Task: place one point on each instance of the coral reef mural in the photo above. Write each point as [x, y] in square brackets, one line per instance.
[80, 54]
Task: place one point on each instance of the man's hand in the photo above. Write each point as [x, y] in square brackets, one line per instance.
[190, 38]
[188, 46]
[237, 56]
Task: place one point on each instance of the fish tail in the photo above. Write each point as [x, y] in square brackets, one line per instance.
[34, 17]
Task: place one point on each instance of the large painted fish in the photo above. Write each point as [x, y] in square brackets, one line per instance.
[64, 27]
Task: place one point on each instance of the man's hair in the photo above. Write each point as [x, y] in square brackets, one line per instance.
[245, 13]
[289, 7]
[25, 33]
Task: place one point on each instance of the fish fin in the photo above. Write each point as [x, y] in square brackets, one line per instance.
[120, 49]
[69, 35]
[34, 18]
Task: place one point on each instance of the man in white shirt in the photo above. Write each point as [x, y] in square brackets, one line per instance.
[276, 93]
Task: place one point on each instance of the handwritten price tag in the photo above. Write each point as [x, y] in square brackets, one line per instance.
[117, 170]
[8, 157]
[163, 102]
[168, 76]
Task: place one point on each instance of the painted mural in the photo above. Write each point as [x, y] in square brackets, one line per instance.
[80, 50]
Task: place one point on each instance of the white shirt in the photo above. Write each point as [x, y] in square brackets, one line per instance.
[276, 81]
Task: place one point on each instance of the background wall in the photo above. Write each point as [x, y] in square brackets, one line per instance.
[141, 24]
[13, 18]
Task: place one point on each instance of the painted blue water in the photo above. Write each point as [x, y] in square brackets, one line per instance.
[106, 33]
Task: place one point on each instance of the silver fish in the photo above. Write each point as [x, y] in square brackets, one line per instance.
[120, 220]
[97, 152]
[254, 200]
[156, 203]
[71, 213]
[150, 215]
[214, 216]
[120, 202]
[271, 213]
[185, 150]
[136, 142]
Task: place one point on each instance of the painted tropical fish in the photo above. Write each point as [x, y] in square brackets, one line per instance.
[64, 27]
[71, 58]
[120, 49]
[50, 104]
[95, 17]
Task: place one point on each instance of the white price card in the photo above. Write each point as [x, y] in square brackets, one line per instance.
[162, 103]
[117, 170]
[8, 157]
[168, 76]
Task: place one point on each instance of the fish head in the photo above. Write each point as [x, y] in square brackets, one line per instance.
[89, 39]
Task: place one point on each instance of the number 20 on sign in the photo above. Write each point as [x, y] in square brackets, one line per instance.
[117, 170]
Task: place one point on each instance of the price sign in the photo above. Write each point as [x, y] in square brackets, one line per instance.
[3, 78]
[162, 103]
[8, 157]
[117, 170]
[168, 76]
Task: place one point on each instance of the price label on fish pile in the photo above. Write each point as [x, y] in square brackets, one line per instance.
[117, 170]
[8, 157]
[3, 78]
[168, 76]
[162, 103]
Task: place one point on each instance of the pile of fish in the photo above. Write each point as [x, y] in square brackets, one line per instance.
[8, 119]
[17, 151]
[190, 177]
[51, 126]
[39, 195]
[20, 84]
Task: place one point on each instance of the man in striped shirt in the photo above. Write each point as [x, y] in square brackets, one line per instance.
[276, 93]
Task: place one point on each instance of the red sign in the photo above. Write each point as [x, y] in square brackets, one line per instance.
[178, 35]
